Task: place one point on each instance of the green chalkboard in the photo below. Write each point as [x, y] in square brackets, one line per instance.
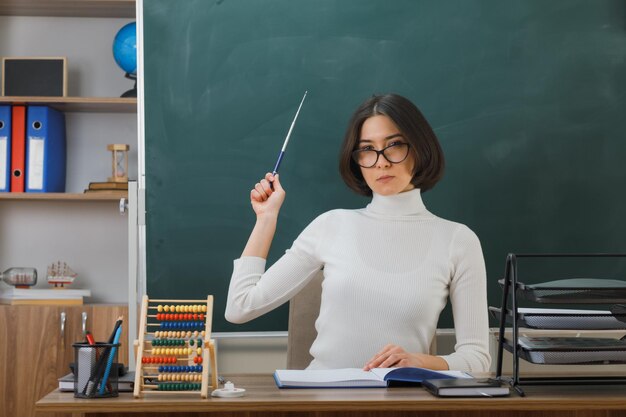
[527, 98]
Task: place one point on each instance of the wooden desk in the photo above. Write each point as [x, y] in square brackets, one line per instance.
[263, 398]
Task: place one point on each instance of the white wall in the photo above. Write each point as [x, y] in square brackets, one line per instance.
[90, 236]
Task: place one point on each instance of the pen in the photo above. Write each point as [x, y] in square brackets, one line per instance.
[282, 151]
[99, 368]
[116, 340]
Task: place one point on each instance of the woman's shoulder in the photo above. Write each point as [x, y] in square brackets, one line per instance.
[337, 215]
[456, 229]
[328, 220]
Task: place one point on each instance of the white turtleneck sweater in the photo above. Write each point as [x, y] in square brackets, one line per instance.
[388, 272]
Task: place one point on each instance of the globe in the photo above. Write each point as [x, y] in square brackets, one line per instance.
[125, 48]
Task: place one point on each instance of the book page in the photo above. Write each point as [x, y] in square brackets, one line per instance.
[326, 375]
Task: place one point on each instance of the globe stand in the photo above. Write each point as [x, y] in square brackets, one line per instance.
[133, 91]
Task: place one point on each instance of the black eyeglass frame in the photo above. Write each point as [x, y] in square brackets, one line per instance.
[356, 152]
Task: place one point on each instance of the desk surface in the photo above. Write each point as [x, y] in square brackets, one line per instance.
[262, 395]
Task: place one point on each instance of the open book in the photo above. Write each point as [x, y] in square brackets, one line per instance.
[358, 378]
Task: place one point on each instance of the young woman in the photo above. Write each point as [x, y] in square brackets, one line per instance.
[388, 268]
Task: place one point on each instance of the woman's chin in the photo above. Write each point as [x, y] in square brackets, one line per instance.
[390, 189]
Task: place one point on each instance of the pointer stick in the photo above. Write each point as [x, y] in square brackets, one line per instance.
[282, 151]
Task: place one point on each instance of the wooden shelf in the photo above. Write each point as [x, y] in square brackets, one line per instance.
[79, 104]
[61, 196]
[68, 8]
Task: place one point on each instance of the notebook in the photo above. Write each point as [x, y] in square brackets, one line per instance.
[125, 383]
[466, 387]
[358, 378]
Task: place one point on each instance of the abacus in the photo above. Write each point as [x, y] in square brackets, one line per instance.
[175, 349]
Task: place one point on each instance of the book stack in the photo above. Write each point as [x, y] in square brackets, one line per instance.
[117, 189]
[18, 296]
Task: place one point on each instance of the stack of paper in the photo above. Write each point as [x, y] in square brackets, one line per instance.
[14, 296]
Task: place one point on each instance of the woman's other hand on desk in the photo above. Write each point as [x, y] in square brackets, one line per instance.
[265, 200]
[395, 356]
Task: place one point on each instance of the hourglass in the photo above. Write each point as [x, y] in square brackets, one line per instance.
[120, 162]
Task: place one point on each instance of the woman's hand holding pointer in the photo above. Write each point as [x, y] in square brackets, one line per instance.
[265, 200]
[266, 203]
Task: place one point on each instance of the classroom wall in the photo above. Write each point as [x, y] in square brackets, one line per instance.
[91, 237]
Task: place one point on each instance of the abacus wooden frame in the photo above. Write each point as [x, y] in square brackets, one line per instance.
[208, 354]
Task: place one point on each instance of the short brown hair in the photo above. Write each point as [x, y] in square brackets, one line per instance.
[429, 160]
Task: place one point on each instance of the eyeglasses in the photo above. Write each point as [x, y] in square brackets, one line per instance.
[394, 153]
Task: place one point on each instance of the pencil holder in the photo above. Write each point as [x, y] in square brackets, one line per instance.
[95, 372]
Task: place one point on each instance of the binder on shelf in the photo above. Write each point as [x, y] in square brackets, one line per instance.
[45, 150]
[18, 148]
[5, 148]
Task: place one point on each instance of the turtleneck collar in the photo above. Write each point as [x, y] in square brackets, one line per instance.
[408, 203]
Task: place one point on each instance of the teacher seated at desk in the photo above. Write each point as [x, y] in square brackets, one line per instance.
[389, 268]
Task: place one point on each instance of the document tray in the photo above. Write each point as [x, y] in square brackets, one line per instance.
[564, 319]
[576, 290]
[570, 350]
